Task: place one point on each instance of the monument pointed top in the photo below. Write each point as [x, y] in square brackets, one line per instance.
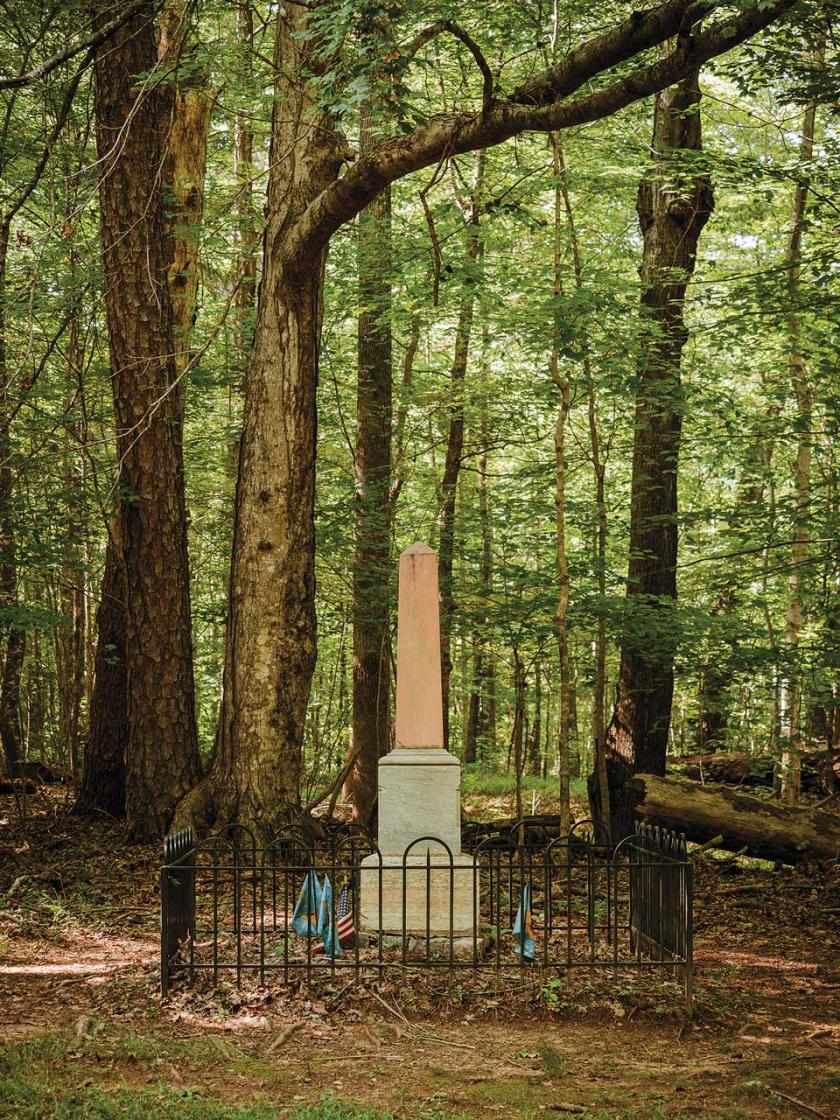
[419, 694]
[418, 548]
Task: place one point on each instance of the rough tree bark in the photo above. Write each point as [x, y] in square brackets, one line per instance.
[184, 108]
[162, 760]
[674, 204]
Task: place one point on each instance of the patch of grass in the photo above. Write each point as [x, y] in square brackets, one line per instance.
[330, 1108]
[474, 779]
[57, 1076]
[26, 1099]
[555, 1066]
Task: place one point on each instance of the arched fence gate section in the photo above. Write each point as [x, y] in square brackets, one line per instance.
[293, 909]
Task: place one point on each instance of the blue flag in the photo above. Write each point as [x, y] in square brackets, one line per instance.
[327, 923]
[523, 933]
[305, 916]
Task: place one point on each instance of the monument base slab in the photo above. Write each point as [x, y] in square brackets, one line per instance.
[419, 895]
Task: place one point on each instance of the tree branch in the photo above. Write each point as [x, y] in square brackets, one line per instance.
[60, 121]
[91, 42]
[526, 110]
[437, 28]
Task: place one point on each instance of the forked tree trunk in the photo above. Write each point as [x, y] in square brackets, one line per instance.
[674, 204]
[372, 468]
[270, 640]
[162, 760]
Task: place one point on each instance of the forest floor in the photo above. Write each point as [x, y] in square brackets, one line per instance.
[84, 1033]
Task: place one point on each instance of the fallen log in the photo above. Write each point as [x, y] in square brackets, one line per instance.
[766, 829]
[740, 769]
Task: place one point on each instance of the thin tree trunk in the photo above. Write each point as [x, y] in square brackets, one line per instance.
[103, 779]
[565, 391]
[535, 735]
[713, 721]
[481, 728]
[10, 729]
[518, 731]
[70, 646]
[674, 205]
[797, 371]
[455, 437]
[372, 468]
[162, 760]
[190, 106]
[598, 455]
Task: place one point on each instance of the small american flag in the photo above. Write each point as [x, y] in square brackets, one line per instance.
[345, 929]
[344, 918]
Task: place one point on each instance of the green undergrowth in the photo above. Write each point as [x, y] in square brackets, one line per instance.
[476, 780]
[57, 1076]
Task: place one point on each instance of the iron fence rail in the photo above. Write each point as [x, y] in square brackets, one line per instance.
[227, 905]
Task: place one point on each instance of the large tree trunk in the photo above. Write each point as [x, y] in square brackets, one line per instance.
[162, 760]
[455, 435]
[270, 642]
[674, 204]
[372, 468]
[767, 830]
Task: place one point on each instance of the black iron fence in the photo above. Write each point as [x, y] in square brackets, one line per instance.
[312, 908]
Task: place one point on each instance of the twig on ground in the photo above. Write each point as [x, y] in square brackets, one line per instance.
[800, 1104]
[715, 842]
[283, 1037]
[394, 1010]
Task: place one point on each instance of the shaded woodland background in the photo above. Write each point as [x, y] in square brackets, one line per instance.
[486, 341]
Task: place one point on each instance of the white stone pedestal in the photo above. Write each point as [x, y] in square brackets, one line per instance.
[419, 796]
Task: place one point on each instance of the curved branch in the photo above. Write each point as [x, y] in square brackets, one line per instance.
[442, 25]
[457, 133]
[90, 43]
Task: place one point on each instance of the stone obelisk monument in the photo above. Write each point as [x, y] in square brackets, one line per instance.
[419, 782]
